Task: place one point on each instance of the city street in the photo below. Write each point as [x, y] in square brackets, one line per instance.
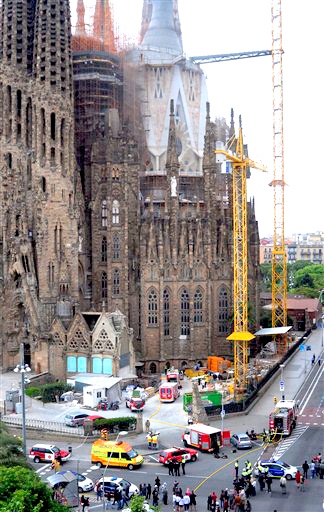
[209, 474]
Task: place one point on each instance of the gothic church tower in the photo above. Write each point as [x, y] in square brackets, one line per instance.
[38, 215]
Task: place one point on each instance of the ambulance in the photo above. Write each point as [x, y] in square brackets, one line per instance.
[169, 392]
[109, 453]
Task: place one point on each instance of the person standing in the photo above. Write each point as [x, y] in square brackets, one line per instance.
[193, 502]
[170, 467]
[305, 467]
[236, 466]
[302, 482]
[176, 467]
[269, 483]
[209, 502]
[283, 484]
[155, 498]
[157, 483]
[186, 501]
[319, 361]
[148, 491]
[297, 478]
[147, 425]
[183, 464]
[312, 469]
[99, 491]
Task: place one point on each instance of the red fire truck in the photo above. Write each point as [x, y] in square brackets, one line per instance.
[283, 418]
[202, 437]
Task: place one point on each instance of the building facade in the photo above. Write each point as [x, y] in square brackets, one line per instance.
[127, 213]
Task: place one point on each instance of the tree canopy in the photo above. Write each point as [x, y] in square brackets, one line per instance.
[21, 490]
[303, 278]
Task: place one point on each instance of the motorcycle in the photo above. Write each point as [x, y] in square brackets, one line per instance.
[114, 406]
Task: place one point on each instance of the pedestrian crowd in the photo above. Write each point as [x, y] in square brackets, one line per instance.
[236, 499]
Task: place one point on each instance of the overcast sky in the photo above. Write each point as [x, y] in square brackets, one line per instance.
[225, 26]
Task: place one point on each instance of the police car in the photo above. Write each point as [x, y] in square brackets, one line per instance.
[278, 468]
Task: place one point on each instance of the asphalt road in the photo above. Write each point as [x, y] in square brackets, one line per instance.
[209, 474]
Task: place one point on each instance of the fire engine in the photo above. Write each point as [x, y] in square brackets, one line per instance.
[283, 418]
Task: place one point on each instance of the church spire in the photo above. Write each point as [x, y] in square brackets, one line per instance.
[103, 28]
[80, 25]
[163, 30]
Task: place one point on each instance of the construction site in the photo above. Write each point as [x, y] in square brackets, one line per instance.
[164, 232]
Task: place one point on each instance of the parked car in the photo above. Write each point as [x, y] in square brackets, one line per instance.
[241, 441]
[112, 483]
[94, 417]
[85, 484]
[47, 453]
[75, 419]
[189, 453]
[278, 468]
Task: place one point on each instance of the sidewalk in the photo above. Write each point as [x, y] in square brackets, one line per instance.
[293, 375]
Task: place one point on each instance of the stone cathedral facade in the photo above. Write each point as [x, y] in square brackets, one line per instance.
[129, 255]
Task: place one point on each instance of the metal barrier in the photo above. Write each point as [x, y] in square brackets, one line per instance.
[234, 407]
[55, 426]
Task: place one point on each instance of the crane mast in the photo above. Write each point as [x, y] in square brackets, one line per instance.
[279, 259]
[240, 336]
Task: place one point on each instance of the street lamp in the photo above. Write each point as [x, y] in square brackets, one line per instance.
[222, 413]
[282, 384]
[121, 433]
[322, 331]
[22, 368]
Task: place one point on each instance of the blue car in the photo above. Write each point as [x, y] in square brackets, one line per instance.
[278, 468]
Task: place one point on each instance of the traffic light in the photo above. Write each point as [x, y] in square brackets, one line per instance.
[275, 400]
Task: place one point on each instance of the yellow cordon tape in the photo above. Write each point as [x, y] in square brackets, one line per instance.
[225, 466]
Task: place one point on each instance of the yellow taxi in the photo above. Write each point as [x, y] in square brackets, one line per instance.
[109, 453]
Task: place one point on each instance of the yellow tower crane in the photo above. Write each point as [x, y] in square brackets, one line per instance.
[240, 336]
[279, 260]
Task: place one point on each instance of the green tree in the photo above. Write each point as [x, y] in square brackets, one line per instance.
[21, 490]
[10, 449]
[305, 279]
[265, 277]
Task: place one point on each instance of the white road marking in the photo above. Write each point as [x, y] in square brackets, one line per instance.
[40, 469]
[151, 457]
[316, 379]
[284, 446]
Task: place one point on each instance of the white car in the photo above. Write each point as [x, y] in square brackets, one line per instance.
[113, 482]
[85, 484]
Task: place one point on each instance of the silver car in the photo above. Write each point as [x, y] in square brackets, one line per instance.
[241, 440]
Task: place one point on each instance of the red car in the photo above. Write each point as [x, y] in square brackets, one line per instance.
[189, 453]
[47, 453]
[95, 417]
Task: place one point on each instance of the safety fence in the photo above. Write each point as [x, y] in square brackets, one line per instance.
[61, 428]
[35, 424]
[235, 407]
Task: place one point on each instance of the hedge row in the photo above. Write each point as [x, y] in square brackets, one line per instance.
[123, 423]
[48, 392]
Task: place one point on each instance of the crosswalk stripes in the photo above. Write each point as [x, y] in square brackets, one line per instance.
[287, 443]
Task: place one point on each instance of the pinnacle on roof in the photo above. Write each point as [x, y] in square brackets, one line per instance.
[103, 28]
[80, 25]
[164, 28]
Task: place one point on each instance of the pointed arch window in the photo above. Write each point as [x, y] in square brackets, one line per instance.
[198, 307]
[104, 284]
[115, 212]
[104, 216]
[185, 314]
[115, 247]
[166, 313]
[104, 249]
[116, 282]
[158, 93]
[223, 310]
[152, 308]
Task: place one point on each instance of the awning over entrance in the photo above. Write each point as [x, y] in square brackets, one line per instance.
[273, 331]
